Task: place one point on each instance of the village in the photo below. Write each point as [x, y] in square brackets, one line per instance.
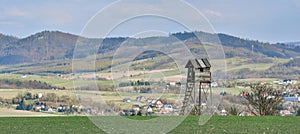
[145, 105]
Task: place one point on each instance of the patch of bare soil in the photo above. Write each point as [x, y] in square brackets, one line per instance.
[5, 112]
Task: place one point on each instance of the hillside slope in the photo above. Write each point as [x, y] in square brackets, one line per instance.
[53, 45]
[52, 52]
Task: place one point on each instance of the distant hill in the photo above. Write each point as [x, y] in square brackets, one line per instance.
[46, 45]
[288, 70]
[279, 50]
[293, 44]
[5, 39]
[52, 45]
[52, 51]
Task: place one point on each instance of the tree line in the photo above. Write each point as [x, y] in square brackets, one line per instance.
[28, 84]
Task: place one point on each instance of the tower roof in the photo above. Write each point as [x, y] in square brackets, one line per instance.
[198, 63]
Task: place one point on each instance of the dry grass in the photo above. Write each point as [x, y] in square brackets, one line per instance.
[5, 112]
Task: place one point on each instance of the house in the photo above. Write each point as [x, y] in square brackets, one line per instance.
[148, 100]
[223, 112]
[246, 113]
[172, 83]
[204, 85]
[159, 104]
[167, 108]
[275, 82]
[153, 103]
[40, 95]
[287, 81]
[214, 84]
[140, 99]
[285, 113]
[292, 99]
[48, 109]
[136, 107]
[126, 100]
[37, 108]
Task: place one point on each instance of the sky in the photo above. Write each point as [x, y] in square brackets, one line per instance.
[264, 20]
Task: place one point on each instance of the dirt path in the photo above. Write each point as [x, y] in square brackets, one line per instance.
[4, 112]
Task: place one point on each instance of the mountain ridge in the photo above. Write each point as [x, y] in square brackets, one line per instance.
[53, 45]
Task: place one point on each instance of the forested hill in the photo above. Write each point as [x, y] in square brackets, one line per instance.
[54, 45]
[5, 39]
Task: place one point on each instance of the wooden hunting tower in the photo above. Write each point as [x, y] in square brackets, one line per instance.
[198, 73]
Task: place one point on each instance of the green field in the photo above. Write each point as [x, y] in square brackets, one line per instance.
[57, 81]
[217, 124]
[236, 64]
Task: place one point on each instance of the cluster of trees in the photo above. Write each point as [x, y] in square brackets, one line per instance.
[27, 100]
[284, 70]
[262, 99]
[134, 83]
[280, 70]
[29, 84]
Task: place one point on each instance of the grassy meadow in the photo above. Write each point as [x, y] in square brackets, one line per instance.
[82, 124]
[216, 125]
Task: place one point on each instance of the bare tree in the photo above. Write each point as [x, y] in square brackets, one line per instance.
[234, 110]
[262, 99]
[298, 112]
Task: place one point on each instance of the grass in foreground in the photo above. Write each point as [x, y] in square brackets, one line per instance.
[217, 124]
